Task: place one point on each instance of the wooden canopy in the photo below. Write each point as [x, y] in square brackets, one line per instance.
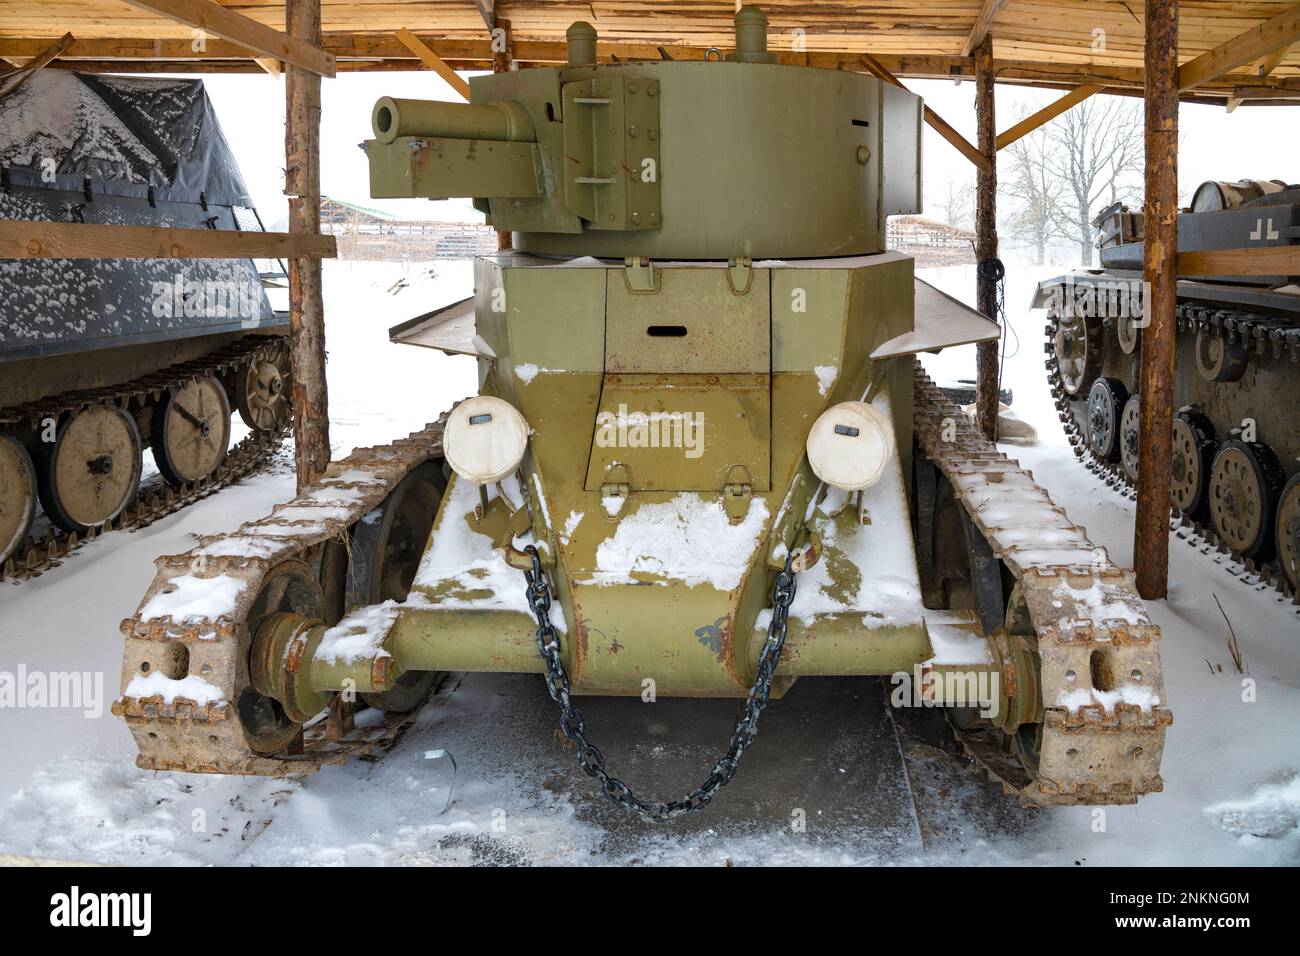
[1054, 43]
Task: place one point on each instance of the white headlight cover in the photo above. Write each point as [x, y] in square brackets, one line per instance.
[850, 445]
[485, 439]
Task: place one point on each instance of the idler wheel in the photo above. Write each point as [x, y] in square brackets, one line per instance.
[1130, 438]
[1245, 484]
[1217, 359]
[289, 592]
[191, 430]
[1288, 531]
[262, 395]
[1105, 407]
[91, 471]
[1126, 330]
[1077, 345]
[387, 545]
[1189, 464]
[17, 495]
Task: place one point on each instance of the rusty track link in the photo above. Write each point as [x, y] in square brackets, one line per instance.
[1090, 625]
[1198, 534]
[189, 720]
[42, 552]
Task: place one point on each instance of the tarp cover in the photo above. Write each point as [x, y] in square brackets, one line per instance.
[121, 151]
[154, 132]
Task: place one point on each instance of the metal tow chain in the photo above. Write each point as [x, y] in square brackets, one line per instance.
[589, 755]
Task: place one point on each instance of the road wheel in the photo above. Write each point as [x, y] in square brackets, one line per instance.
[191, 430]
[91, 471]
[17, 495]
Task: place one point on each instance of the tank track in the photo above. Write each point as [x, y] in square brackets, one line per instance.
[42, 552]
[208, 737]
[1262, 334]
[1093, 754]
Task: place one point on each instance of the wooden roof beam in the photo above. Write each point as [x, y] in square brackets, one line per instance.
[213, 18]
[1046, 114]
[1270, 62]
[434, 62]
[1256, 261]
[963, 145]
[21, 239]
[14, 78]
[1274, 34]
[983, 21]
[487, 9]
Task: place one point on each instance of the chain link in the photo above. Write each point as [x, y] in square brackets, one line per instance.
[589, 755]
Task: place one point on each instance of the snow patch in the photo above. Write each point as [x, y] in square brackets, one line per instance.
[360, 635]
[826, 376]
[689, 538]
[1271, 812]
[353, 476]
[527, 371]
[464, 570]
[1139, 694]
[192, 598]
[160, 685]
[571, 525]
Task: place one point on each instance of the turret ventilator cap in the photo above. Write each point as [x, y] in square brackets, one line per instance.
[850, 445]
[485, 439]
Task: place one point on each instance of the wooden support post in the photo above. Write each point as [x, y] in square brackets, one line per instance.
[1151, 534]
[306, 300]
[986, 237]
[503, 54]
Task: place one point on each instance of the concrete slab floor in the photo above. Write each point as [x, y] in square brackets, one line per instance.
[831, 756]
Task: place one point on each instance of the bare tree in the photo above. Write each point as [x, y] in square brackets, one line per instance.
[957, 206]
[1036, 219]
[1095, 153]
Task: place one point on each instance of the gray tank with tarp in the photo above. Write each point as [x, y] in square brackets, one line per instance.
[1235, 480]
[100, 358]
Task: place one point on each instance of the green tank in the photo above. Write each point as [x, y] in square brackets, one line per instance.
[703, 461]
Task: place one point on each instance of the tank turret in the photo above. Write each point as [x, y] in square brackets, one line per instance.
[730, 156]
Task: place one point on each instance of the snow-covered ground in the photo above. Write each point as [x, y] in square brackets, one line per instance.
[69, 788]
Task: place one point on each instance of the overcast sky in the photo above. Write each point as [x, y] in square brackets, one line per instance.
[1252, 142]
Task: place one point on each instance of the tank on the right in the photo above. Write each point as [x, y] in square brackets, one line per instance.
[1235, 475]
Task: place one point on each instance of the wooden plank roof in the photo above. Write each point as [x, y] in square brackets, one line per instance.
[1041, 42]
